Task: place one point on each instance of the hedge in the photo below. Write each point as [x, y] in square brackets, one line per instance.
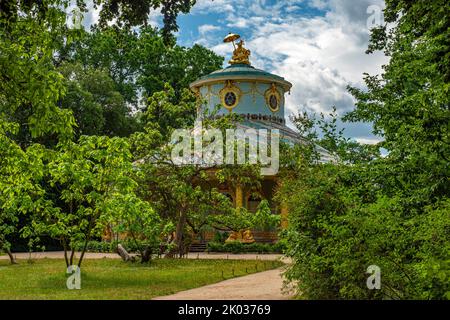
[238, 247]
[232, 247]
[110, 247]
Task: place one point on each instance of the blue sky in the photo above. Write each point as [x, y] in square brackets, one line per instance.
[318, 45]
[192, 24]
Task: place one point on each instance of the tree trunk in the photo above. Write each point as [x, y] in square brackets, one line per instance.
[146, 255]
[65, 252]
[124, 253]
[82, 253]
[72, 254]
[178, 235]
[11, 257]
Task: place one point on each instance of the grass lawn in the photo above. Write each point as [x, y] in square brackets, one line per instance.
[115, 279]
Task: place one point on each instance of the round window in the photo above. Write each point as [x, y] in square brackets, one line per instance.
[273, 98]
[273, 102]
[230, 99]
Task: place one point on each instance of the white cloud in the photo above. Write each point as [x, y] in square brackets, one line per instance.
[219, 6]
[368, 140]
[319, 4]
[203, 29]
[319, 54]
[154, 18]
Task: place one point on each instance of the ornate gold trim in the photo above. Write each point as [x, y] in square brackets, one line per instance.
[241, 79]
[230, 87]
[198, 99]
[273, 91]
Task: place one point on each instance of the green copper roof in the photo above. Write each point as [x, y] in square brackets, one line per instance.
[241, 71]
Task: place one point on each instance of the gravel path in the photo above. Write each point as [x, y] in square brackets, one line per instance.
[265, 285]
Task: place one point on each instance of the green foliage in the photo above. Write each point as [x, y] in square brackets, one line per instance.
[137, 219]
[220, 237]
[97, 107]
[136, 13]
[140, 62]
[331, 138]
[241, 219]
[238, 247]
[166, 115]
[96, 246]
[335, 233]
[409, 103]
[88, 179]
[30, 87]
[70, 190]
[263, 217]
[186, 195]
[390, 211]
[131, 245]
[20, 190]
[235, 220]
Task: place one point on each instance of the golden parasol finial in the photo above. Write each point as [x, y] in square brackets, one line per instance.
[240, 54]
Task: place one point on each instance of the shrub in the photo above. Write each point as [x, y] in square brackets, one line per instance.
[334, 235]
[233, 247]
[212, 246]
[238, 247]
[110, 247]
[220, 237]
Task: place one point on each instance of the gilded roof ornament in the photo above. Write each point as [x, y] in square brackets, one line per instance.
[240, 54]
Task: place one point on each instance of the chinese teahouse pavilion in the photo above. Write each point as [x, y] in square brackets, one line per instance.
[259, 98]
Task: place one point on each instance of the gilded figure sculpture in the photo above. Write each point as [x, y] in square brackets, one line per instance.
[240, 54]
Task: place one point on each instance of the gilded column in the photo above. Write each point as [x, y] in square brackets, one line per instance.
[284, 215]
[244, 236]
[239, 196]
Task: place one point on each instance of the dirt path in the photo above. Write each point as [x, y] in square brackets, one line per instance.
[265, 285]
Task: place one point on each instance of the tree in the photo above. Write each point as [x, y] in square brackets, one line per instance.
[187, 195]
[387, 211]
[175, 65]
[324, 132]
[30, 87]
[136, 13]
[183, 195]
[136, 218]
[88, 178]
[66, 188]
[122, 13]
[139, 62]
[340, 223]
[240, 219]
[99, 109]
[20, 190]
[409, 103]
[111, 50]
